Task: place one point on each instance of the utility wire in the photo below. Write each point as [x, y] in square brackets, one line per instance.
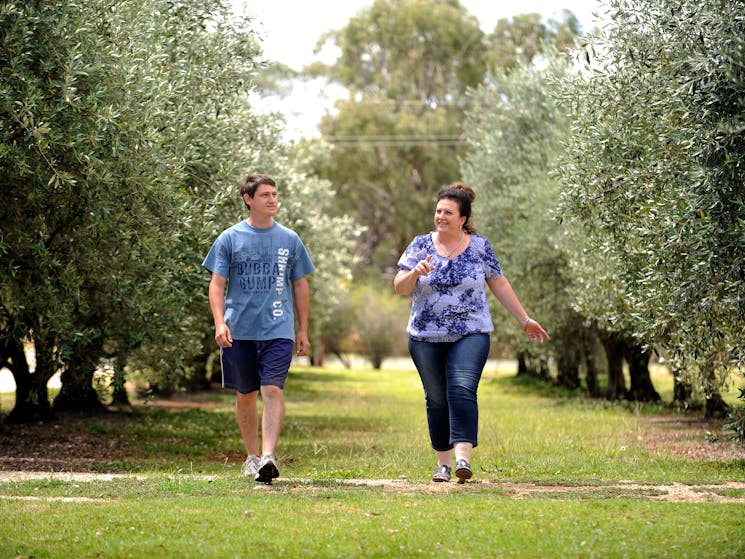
[403, 140]
[396, 136]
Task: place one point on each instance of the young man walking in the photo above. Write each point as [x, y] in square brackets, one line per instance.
[259, 270]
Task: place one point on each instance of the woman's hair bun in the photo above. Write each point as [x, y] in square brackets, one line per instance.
[465, 188]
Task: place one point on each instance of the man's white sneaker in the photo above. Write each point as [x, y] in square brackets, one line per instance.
[267, 469]
[251, 466]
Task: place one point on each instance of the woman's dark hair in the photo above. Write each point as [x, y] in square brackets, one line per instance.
[463, 195]
[251, 183]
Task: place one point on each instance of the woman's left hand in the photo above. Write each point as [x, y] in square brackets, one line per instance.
[534, 331]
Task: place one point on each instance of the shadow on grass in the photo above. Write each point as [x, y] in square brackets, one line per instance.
[560, 395]
[304, 378]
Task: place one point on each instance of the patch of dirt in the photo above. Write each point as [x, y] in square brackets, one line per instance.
[675, 492]
[66, 444]
[690, 437]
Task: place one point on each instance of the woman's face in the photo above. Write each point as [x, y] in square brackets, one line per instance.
[447, 216]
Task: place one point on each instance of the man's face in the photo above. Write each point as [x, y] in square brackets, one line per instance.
[264, 202]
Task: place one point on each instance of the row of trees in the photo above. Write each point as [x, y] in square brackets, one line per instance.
[612, 189]
[611, 182]
[125, 127]
[654, 178]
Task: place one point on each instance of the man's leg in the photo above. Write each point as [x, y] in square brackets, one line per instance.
[248, 420]
[275, 357]
[272, 417]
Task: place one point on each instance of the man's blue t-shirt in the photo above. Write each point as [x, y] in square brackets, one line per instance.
[260, 265]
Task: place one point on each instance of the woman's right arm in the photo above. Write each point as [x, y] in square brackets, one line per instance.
[405, 280]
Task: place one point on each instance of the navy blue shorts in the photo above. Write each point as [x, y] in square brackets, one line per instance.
[251, 364]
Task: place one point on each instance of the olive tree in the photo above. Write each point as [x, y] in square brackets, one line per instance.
[108, 110]
[516, 130]
[654, 176]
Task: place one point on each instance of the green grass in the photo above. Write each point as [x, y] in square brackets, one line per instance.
[188, 500]
[330, 522]
[372, 424]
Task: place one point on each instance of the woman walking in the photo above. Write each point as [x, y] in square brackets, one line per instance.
[448, 271]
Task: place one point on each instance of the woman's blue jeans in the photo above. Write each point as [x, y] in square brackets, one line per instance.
[450, 373]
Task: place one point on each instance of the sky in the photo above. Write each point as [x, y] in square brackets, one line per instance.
[289, 29]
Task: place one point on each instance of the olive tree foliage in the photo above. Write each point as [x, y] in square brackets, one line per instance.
[655, 177]
[515, 137]
[119, 121]
[517, 130]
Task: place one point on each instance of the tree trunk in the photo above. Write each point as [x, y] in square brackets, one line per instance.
[591, 375]
[119, 396]
[77, 392]
[13, 357]
[32, 397]
[681, 391]
[542, 371]
[614, 353]
[522, 364]
[318, 357]
[536, 368]
[567, 363]
[642, 389]
[716, 407]
[346, 361]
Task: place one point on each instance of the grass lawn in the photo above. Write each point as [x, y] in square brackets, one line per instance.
[556, 476]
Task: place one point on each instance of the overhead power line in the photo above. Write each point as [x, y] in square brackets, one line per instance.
[402, 140]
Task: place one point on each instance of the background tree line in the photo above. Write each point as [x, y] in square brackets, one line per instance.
[610, 179]
[432, 98]
[608, 169]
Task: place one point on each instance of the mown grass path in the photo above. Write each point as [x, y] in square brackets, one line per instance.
[557, 476]
[726, 492]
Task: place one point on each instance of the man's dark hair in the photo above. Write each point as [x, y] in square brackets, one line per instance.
[252, 182]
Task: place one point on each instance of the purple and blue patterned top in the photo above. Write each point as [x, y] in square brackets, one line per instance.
[451, 301]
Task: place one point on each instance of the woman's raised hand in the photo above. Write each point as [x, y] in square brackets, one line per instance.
[423, 267]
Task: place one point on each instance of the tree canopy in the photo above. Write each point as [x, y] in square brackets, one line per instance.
[654, 176]
[126, 127]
